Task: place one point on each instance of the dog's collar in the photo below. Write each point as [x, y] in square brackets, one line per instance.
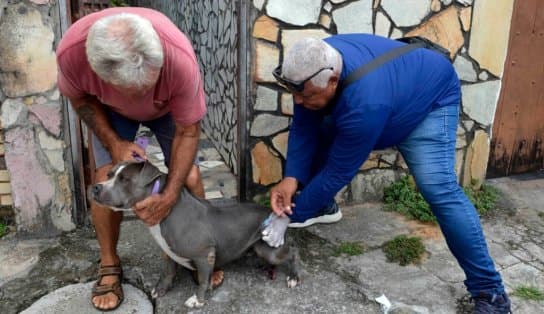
[156, 187]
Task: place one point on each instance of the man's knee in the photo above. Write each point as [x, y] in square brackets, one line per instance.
[193, 178]
[194, 182]
[436, 193]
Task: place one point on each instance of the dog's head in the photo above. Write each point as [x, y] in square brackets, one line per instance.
[128, 183]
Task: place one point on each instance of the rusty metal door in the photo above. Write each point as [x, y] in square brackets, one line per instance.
[518, 130]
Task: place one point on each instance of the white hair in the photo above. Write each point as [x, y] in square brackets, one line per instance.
[306, 57]
[123, 49]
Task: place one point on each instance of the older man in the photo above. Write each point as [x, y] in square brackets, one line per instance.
[120, 68]
[410, 101]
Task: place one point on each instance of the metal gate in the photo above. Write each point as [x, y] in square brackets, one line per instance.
[518, 130]
[82, 161]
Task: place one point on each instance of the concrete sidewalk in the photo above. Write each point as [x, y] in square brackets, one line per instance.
[31, 269]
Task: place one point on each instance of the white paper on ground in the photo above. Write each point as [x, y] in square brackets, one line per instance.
[384, 302]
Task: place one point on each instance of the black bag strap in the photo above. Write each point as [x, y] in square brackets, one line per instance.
[380, 60]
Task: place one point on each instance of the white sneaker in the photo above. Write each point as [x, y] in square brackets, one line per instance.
[334, 216]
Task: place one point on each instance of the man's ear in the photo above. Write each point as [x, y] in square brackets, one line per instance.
[149, 173]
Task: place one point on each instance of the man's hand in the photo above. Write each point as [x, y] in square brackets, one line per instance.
[281, 196]
[154, 208]
[125, 151]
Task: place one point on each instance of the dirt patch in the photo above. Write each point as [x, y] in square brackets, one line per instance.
[427, 231]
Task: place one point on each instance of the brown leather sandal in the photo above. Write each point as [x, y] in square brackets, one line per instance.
[115, 287]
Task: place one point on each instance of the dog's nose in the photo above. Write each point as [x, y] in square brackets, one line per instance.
[97, 188]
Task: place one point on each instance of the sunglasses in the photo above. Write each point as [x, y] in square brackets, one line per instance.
[297, 86]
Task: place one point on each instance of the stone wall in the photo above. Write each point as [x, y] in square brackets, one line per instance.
[34, 149]
[475, 32]
[212, 27]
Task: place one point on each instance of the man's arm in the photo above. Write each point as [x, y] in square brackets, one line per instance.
[357, 134]
[184, 147]
[301, 148]
[91, 111]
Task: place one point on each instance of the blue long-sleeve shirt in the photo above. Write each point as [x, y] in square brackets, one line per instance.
[377, 111]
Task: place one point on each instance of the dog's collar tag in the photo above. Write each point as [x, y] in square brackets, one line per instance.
[156, 187]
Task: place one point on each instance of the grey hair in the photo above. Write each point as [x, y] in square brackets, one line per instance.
[123, 49]
[307, 56]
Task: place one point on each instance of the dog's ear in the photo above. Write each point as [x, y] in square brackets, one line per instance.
[149, 173]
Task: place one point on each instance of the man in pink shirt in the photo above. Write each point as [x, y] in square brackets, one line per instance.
[120, 68]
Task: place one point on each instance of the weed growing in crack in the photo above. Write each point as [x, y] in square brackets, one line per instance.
[349, 248]
[529, 293]
[404, 250]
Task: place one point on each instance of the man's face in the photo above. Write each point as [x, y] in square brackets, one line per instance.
[314, 97]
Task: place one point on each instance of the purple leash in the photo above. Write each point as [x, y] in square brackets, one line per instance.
[143, 141]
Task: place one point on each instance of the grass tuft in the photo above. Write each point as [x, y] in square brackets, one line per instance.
[529, 293]
[263, 200]
[404, 250]
[484, 199]
[3, 229]
[349, 248]
[402, 196]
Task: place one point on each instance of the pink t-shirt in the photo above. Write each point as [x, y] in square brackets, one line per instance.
[178, 90]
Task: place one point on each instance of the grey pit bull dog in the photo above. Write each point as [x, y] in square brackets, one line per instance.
[195, 234]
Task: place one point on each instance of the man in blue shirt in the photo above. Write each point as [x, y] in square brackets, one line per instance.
[411, 102]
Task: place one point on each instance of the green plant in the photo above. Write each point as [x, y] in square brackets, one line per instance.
[404, 250]
[402, 196]
[349, 248]
[483, 198]
[529, 293]
[118, 3]
[3, 229]
[541, 215]
[264, 201]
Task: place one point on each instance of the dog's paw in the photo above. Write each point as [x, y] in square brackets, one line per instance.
[161, 288]
[157, 292]
[193, 302]
[292, 282]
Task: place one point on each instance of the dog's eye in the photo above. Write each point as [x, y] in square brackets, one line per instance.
[121, 178]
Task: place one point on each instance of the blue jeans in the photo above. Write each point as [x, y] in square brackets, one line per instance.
[164, 129]
[429, 152]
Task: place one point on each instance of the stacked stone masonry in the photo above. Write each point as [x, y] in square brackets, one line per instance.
[454, 24]
[35, 178]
